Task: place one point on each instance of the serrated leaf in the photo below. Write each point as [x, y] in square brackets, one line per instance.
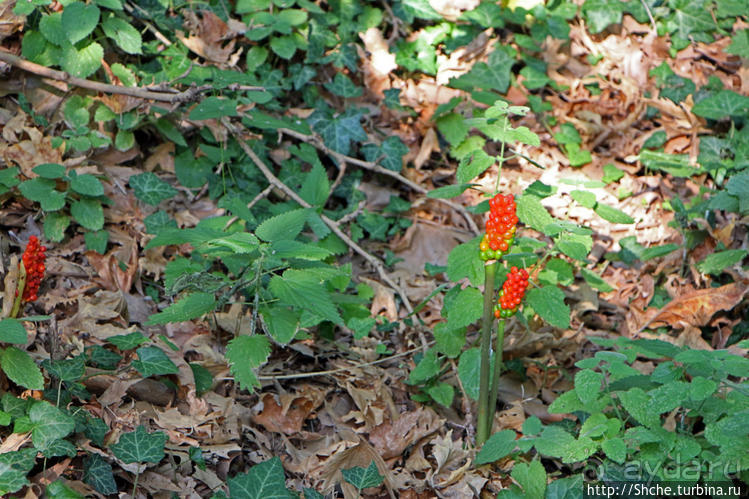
[87, 184]
[466, 309]
[612, 214]
[548, 302]
[717, 262]
[532, 213]
[50, 424]
[304, 290]
[363, 478]
[636, 402]
[448, 191]
[615, 449]
[282, 323]
[89, 213]
[84, 62]
[152, 361]
[428, 367]
[124, 34]
[50, 26]
[285, 226]
[316, 186]
[462, 262]
[189, 307]
[12, 331]
[21, 369]
[532, 477]
[442, 393]
[244, 354]
[151, 189]
[79, 20]
[265, 480]
[588, 385]
[139, 446]
[449, 341]
[498, 446]
[472, 166]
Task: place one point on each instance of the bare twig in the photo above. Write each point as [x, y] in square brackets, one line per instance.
[368, 165]
[189, 95]
[332, 224]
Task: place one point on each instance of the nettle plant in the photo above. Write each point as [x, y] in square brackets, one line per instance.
[503, 261]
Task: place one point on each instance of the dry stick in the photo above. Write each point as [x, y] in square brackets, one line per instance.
[368, 165]
[189, 95]
[341, 369]
[330, 223]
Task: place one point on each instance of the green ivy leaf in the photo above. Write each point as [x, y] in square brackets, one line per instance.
[724, 103]
[12, 331]
[50, 424]
[600, 14]
[533, 78]
[214, 108]
[245, 353]
[498, 446]
[548, 302]
[124, 34]
[128, 341]
[139, 446]
[66, 369]
[339, 132]
[739, 44]
[151, 189]
[343, 86]
[21, 369]
[88, 213]
[363, 478]
[152, 361]
[265, 480]
[190, 307]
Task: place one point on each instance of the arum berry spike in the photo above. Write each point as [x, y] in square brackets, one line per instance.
[500, 228]
[31, 272]
[511, 294]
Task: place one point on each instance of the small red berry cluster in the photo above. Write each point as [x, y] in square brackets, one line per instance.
[33, 261]
[512, 293]
[500, 228]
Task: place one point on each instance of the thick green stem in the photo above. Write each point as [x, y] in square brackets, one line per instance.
[19, 290]
[486, 341]
[494, 389]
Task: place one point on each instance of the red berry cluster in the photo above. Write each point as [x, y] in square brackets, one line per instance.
[33, 261]
[511, 293]
[500, 227]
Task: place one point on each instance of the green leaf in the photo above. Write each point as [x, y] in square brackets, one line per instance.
[87, 184]
[338, 133]
[595, 281]
[548, 302]
[362, 478]
[190, 307]
[79, 20]
[449, 341]
[97, 241]
[151, 189]
[124, 140]
[462, 262]
[50, 424]
[124, 34]
[127, 341]
[468, 372]
[494, 75]
[717, 262]
[615, 449]
[139, 446]
[282, 323]
[442, 393]
[343, 86]
[21, 369]
[263, 481]
[84, 62]
[532, 213]
[152, 361]
[577, 156]
[283, 46]
[58, 489]
[448, 191]
[88, 213]
[565, 488]
[66, 369]
[303, 289]
[701, 388]
[285, 226]
[498, 446]
[37, 189]
[532, 477]
[214, 108]
[316, 187]
[466, 309]
[428, 367]
[556, 271]
[585, 198]
[636, 402]
[533, 78]
[454, 128]
[245, 353]
[575, 246]
[611, 174]
[51, 28]
[472, 166]
[12, 331]
[612, 214]
[690, 18]
[724, 103]
[588, 385]
[739, 44]
[393, 150]
[600, 14]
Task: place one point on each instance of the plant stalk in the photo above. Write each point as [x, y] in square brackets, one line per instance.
[486, 339]
[494, 389]
[20, 286]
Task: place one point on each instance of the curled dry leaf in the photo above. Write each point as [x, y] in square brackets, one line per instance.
[393, 437]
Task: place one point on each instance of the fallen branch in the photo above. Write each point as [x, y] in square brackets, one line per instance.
[275, 181]
[190, 95]
[368, 165]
